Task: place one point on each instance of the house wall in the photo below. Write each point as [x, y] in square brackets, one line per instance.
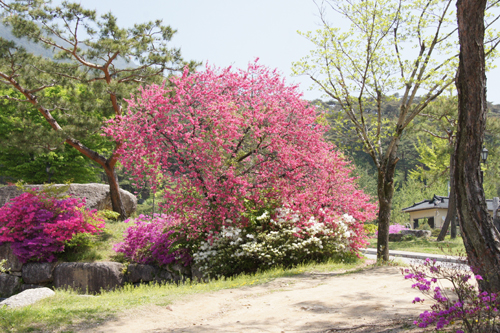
[438, 214]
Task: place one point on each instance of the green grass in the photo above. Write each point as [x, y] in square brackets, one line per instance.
[427, 245]
[64, 311]
[102, 245]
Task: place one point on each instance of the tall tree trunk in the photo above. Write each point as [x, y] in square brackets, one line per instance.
[481, 238]
[453, 232]
[385, 189]
[452, 207]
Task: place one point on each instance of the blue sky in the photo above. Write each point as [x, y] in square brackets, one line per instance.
[235, 32]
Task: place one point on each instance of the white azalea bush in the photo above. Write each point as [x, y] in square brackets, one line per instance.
[274, 241]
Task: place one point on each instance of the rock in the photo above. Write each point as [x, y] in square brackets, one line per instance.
[164, 276]
[88, 277]
[395, 237]
[97, 196]
[27, 297]
[38, 272]
[180, 270]
[13, 264]
[417, 233]
[140, 273]
[196, 274]
[9, 285]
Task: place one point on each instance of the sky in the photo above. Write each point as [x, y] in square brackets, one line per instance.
[235, 32]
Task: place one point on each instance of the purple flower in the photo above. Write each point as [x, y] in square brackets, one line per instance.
[149, 241]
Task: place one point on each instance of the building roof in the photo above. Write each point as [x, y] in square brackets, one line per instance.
[435, 203]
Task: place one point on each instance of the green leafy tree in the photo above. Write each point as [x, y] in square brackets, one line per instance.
[29, 151]
[362, 67]
[87, 51]
[435, 148]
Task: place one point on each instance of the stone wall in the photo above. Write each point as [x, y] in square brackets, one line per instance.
[85, 277]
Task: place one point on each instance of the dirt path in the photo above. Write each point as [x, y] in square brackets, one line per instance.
[373, 300]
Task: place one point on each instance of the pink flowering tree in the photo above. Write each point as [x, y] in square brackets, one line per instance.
[228, 141]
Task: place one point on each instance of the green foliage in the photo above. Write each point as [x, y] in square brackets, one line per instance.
[2, 266]
[424, 226]
[80, 248]
[370, 229]
[109, 214]
[437, 128]
[435, 159]
[435, 232]
[50, 190]
[63, 165]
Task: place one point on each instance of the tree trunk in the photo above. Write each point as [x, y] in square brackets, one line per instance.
[385, 189]
[452, 207]
[453, 232]
[109, 168]
[481, 238]
[114, 191]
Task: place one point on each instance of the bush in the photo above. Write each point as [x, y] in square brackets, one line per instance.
[424, 226]
[395, 228]
[275, 242]
[435, 232]
[109, 214]
[149, 241]
[477, 311]
[370, 229]
[38, 225]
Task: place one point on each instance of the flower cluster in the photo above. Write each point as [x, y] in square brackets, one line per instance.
[39, 225]
[280, 240]
[476, 310]
[396, 228]
[149, 241]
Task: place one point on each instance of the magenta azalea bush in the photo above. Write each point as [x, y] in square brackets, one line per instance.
[149, 241]
[476, 310]
[38, 225]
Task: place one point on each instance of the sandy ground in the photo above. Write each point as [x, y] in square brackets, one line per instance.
[373, 300]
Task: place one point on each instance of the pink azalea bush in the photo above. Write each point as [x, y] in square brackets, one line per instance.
[476, 310]
[226, 142]
[396, 228]
[149, 241]
[38, 225]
